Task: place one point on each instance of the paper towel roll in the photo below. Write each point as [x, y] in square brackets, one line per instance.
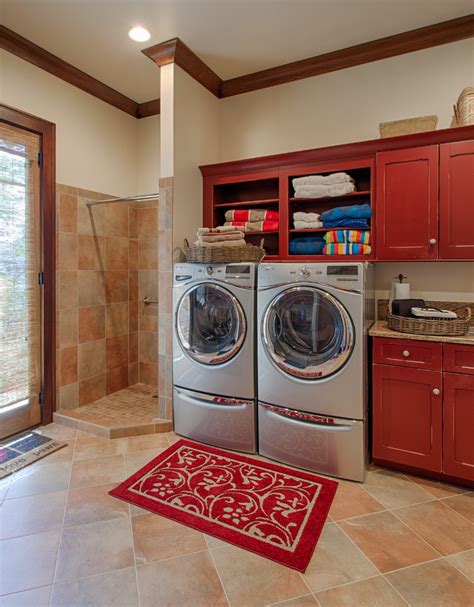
[402, 290]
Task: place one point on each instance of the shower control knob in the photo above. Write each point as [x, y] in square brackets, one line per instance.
[305, 272]
[209, 270]
[436, 391]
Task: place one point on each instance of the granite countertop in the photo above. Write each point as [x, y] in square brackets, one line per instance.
[380, 329]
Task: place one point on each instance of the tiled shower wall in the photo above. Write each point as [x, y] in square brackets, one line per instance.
[98, 310]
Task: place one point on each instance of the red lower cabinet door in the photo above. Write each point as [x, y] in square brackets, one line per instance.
[456, 200]
[407, 416]
[458, 435]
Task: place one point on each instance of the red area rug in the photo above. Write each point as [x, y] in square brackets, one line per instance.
[266, 508]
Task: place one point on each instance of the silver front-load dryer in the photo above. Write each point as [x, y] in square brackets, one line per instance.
[214, 354]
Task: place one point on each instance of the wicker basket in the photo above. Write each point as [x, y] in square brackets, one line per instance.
[408, 126]
[464, 108]
[422, 326]
[249, 252]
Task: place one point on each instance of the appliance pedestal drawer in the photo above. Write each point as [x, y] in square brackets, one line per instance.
[220, 421]
[332, 446]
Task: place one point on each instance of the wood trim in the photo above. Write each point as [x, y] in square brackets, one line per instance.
[28, 51]
[47, 132]
[383, 48]
[175, 51]
[335, 152]
[148, 108]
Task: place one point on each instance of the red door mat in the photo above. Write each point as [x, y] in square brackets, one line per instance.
[266, 508]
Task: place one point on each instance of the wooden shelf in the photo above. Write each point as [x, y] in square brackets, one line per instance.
[261, 233]
[349, 196]
[309, 230]
[248, 203]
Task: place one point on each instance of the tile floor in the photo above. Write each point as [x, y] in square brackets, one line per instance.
[127, 412]
[394, 541]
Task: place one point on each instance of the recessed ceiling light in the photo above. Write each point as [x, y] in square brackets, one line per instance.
[139, 34]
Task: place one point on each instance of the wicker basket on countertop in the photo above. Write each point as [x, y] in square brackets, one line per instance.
[408, 126]
[424, 326]
[249, 252]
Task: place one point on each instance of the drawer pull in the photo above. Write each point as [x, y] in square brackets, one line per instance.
[406, 353]
[436, 391]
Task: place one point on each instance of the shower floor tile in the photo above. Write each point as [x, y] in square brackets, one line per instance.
[128, 412]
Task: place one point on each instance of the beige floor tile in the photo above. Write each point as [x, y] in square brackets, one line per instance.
[95, 548]
[93, 504]
[134, 444]
[33, 514]
[336, 561]
[98, 471]
[135, 461]
[61, 455]
[462, 504]
[37, 597]
[118, 589]
[441, 527]
[435, 584]
[464, 562]
[190, 581]
[58, 431]
[36, 480]
[157, 538]
[375, 592]
[95, 446]
[265, 581]
[437, 488]
[394, 490]
[302, 601]
[387, 542]
[28, 562]
[352, 500]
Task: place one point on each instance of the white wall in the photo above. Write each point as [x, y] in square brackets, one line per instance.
[96, 144]
[346, 106]
[196, 142]
[148, 154]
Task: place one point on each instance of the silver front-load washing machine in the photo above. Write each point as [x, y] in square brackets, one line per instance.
[214, 354]
[312, 365]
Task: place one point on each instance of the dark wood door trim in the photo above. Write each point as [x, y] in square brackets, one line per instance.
[47, 132]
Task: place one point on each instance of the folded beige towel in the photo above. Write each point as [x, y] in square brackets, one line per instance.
[303, 225]
[221, 237]
[331, 179]
[320, 191]
[217, 230]
[300, 216]
[229, 243]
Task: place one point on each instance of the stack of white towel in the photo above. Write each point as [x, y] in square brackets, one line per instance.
[319, 186]
[304, 221]
[222, 236]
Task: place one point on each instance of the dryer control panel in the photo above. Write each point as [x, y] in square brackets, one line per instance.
[239, 274]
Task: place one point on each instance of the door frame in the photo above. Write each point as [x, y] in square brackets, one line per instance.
[47, 133]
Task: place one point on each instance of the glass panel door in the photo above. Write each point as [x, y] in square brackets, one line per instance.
[20, 293]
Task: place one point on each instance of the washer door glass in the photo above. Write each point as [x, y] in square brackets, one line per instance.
[210, 324]
[308, 333]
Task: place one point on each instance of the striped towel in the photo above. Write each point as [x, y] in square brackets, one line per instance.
[252, 215]
[358, 236]
[347, 248]
[254, 226]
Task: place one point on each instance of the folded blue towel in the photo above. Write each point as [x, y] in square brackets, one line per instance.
[355, 211]
[307, 245]
[346, 223]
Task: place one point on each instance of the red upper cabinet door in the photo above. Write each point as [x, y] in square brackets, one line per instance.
[456, 200]
[458, 440]
[407, 203]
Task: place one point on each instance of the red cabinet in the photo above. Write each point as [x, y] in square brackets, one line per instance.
[407, 416]
[458, 439]
[407, 203]
[456, 200]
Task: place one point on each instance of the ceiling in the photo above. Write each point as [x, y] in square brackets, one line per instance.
[234, 37]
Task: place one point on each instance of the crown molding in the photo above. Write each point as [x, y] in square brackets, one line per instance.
[28, 51]
[175, 51]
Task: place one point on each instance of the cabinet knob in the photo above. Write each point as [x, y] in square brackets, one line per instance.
[432, 241]
[406, 353]
[436, 391]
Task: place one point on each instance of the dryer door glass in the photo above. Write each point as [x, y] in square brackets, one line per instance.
[210, 324]
[308, 333]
